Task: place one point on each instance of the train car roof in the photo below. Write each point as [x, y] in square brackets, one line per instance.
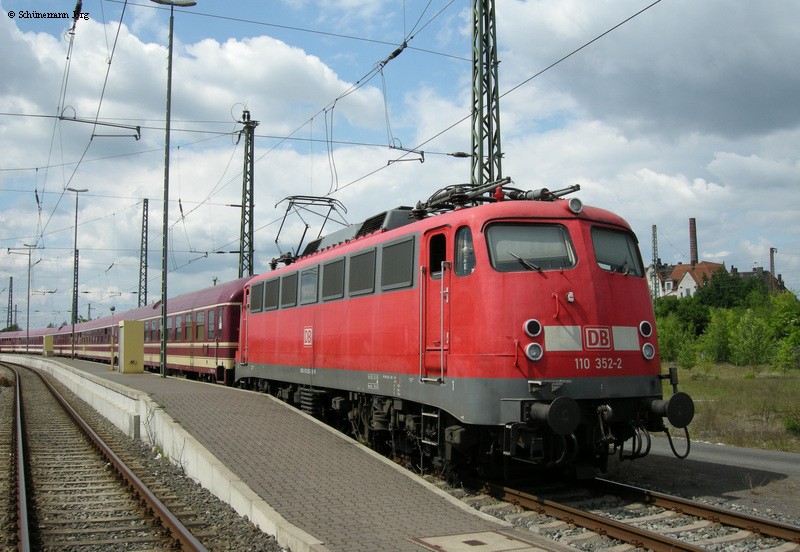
[400, 221]
[215, 295]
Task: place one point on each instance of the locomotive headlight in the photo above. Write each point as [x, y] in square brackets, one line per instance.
[532, 327]
[645, 328]
[534, 352]
[575, 205]
[648, 351]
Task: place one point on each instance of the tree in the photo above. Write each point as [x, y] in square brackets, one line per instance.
[727, 291]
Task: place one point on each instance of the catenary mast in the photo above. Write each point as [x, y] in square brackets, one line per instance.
[486, 151]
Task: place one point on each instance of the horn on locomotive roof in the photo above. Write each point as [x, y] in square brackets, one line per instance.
[460, 195]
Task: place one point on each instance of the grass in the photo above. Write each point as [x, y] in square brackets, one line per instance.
[738, 406]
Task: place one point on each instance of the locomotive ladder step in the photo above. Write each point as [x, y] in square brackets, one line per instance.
[431, 416]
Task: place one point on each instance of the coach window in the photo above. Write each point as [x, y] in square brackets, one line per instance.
[201, 326]
[437, 251]
[211, 324]
[189, 332]
[179, 328]
[362, 273]
[397, 265]
[289, 290]
[464, 253]
[169, 336]
[219, 323]
[333, 280]
[308, 286]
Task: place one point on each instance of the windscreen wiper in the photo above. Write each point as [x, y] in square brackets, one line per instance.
[527, 264]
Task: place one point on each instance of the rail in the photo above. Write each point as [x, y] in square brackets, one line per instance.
[178, 532]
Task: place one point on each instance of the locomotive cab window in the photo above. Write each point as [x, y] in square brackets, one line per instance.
[617, 251]
[437, 254]
[521, 247]
[464, 253]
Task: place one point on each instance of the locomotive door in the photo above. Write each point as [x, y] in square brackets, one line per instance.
[435, 311]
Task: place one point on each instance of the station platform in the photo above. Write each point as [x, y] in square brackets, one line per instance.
[311, 486]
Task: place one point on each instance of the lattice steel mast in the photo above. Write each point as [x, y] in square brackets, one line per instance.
[10, 300]
[143, 257]
[246, 233]
[486, 151]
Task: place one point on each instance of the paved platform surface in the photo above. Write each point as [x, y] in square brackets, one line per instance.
[319, 480]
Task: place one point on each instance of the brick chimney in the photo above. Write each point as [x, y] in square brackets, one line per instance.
[693, 241]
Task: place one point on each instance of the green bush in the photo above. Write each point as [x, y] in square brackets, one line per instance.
[751, 341]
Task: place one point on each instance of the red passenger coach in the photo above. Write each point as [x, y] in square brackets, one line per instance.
[521, 328]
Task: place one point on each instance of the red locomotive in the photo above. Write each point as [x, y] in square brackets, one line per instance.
[516, 326]
[520, 328]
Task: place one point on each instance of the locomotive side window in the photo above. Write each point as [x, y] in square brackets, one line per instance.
[521, 247]
[308, 286]
[362, 273]
[397, 265]
[211, 326]
[271, 289]
[289, 290]
[437, 254]
[617, 252]
[257, 297]
[333, 280]
[464, 253]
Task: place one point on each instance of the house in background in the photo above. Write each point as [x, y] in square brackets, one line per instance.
[683, 280]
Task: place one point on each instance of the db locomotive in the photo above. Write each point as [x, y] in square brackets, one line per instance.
[483, 327]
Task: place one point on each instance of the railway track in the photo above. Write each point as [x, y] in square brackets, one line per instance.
[72, 490]
[647, 519]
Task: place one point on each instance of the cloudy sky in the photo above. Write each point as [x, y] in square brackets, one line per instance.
[689, 109]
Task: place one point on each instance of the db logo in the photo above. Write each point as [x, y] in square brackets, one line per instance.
[597, 337]
[308, 335]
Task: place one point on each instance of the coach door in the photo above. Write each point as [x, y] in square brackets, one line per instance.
[435, 309]
[243, 333]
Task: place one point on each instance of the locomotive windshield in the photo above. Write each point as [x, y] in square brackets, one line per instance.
[617, 252]
[517, 247]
